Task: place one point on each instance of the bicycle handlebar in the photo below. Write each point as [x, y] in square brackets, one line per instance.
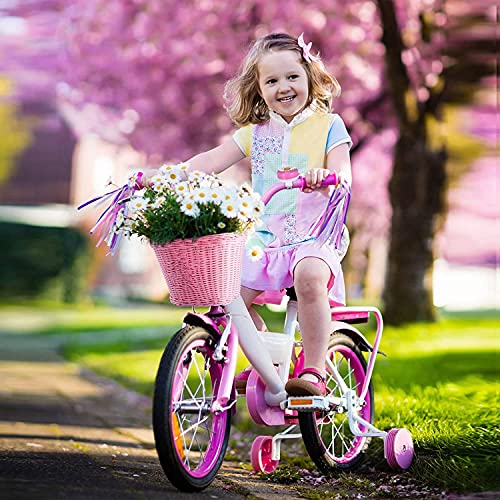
[298, 183]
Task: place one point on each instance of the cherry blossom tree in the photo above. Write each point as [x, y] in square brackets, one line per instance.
[151, 73]
[436, 52]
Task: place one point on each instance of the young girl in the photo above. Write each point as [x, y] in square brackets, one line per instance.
[281, 100]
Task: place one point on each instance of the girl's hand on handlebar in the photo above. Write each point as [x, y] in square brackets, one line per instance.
[314, 178]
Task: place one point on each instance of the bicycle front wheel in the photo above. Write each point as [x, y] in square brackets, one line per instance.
[327, 436]
[190, 440]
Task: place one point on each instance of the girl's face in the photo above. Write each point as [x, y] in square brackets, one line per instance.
[283, 83]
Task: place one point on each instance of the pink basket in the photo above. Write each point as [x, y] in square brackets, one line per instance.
[204, 272]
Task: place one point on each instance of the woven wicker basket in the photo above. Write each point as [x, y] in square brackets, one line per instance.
[203, 272]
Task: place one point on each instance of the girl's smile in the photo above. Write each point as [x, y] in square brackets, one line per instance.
[283, 83]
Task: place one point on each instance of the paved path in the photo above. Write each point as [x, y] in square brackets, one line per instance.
[68, 434]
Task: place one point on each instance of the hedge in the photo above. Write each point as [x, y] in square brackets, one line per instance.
[43, 262]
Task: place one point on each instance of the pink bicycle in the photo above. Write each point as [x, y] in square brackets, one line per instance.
[195, 395]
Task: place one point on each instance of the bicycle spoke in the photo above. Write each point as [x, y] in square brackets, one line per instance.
[190, 439]
[342, 373]
[196, 429]
[339, 433]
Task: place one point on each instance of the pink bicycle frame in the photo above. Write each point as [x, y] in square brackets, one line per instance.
[246, 334]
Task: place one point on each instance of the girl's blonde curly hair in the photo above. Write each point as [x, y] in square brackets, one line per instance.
[244, 103]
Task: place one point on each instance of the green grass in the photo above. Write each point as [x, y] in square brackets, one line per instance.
[439, 380]
[51, 318]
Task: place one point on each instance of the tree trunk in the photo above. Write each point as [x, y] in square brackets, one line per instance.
[416, 192]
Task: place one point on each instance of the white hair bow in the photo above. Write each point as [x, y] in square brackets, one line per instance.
[306, 49]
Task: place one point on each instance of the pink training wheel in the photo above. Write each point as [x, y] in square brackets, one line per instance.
[261, 455]
[398, 448]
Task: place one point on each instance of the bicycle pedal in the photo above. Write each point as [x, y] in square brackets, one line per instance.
[307, 403]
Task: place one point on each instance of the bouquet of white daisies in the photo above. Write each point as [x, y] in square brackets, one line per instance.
[177, 205]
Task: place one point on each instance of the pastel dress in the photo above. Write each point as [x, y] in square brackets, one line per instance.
[278, 150]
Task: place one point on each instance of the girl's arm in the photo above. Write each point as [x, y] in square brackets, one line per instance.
[337, 161]
[218, 159]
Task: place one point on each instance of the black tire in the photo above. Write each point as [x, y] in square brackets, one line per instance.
[347, 451]
[191, 442]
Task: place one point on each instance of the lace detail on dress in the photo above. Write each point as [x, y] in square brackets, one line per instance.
[262, 146]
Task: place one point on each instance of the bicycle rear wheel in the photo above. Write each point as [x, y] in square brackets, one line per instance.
[327, 436]
[190, 440]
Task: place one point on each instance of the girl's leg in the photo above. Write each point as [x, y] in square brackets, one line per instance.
[249, 296]
[311, 277]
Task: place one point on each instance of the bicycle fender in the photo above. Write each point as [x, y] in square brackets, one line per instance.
[355, 335]
[196, 319]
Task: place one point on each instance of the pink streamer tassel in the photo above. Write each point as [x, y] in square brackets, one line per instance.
[105, 224]
[329, 226]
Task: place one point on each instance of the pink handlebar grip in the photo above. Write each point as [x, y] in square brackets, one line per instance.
[299, 182]
[331, 180]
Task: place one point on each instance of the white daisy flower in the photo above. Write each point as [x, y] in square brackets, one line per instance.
[183, 166]
[182, 188]
[221, 225]
[131, 180]
[229, 198]
[157, 182]
[247, 204]
[215, 196]
[245, 188]
[159, 202]
[120, 218]
[201, 195]
[255, 253]
[132, 225]
[166, 169]
[196, 176]
[157, 187]
[258, 208]
[173, 178]
[189, 207]
[243, 215]
[137, 204]
[156, 179]
[229, 209]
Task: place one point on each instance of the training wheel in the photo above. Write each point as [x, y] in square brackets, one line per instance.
[398, 448]
[261, 455]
